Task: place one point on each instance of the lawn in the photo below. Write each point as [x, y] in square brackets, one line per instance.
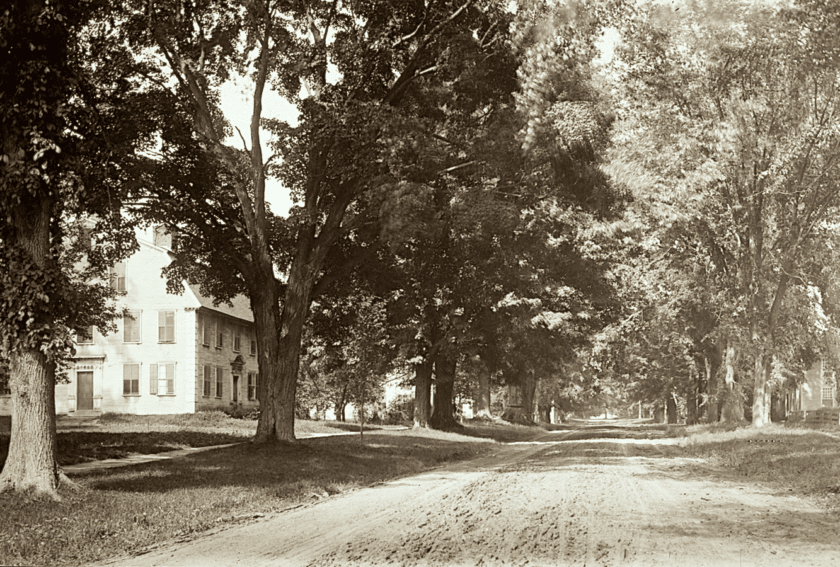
[125, 510]
[797, 460]
[116, 436]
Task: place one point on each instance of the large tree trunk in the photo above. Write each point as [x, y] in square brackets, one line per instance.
[30, 463]
[520, 402]
[529, 396]
[671, 408]
[732, 404]
[691, 410]
[695, 390]
[265, 306]
[712, 412]
[341, 406]
[422, 393]
[761, 391]
[659, 414]
[764, 362]
[483, 402]
[443, 416]
[277, 413]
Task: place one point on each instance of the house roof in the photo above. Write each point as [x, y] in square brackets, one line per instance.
[241, 308]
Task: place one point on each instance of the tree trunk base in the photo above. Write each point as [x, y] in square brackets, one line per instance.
[517, 415]
[484, 416]
[444, 423]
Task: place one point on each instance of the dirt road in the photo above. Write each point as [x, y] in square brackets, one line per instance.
[590, 497]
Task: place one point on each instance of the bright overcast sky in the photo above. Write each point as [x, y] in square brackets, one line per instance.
[238, 104]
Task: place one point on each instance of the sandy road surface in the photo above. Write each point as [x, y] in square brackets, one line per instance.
[566, 500]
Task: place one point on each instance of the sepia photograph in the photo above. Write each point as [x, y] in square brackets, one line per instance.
[435, 283]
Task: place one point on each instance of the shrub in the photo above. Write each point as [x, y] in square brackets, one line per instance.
[400, 410]
[243, 413]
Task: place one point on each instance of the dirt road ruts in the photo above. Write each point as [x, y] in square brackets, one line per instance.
[573, 498]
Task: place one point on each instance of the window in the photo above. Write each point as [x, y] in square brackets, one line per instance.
[828, 381]
[85, 336]
[208, 379]
[131, 327]
[237, 338]
[220, 333]
[206, 329]
[117, 274]
[252, 385]
[131, 379]
[253, 347]
[162, 379]
[166, 326]
[219, 380]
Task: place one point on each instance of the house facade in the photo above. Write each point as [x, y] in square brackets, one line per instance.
[817, 390]
[170, 353]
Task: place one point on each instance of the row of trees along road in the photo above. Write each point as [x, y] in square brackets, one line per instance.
[456, 169]
[422, 125]
[728, 134]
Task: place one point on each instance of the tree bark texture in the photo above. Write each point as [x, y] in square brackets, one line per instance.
[520, 402]
[732, 405]
[422, 393]
[483, 401]
[30, 464]
[691, 409]
[671, 408]
[443, 415]
[659, 414]
[712, 411]
[277, 413]
[761, 391]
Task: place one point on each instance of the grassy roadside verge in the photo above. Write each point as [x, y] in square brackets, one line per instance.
[115, 436]
[797, 460]
[126, 510]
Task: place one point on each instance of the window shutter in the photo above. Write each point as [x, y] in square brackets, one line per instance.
[170, 379]
[207, 381]
[153, 379]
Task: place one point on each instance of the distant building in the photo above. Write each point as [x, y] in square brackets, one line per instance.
[170, 354]
[817, 390]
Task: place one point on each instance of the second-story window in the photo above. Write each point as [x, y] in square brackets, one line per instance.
[206, 329]
[85, 336]
[220, 333]
[237, 338]
[166, 326]
[253, 346]
[117, 274]
[131, 326]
